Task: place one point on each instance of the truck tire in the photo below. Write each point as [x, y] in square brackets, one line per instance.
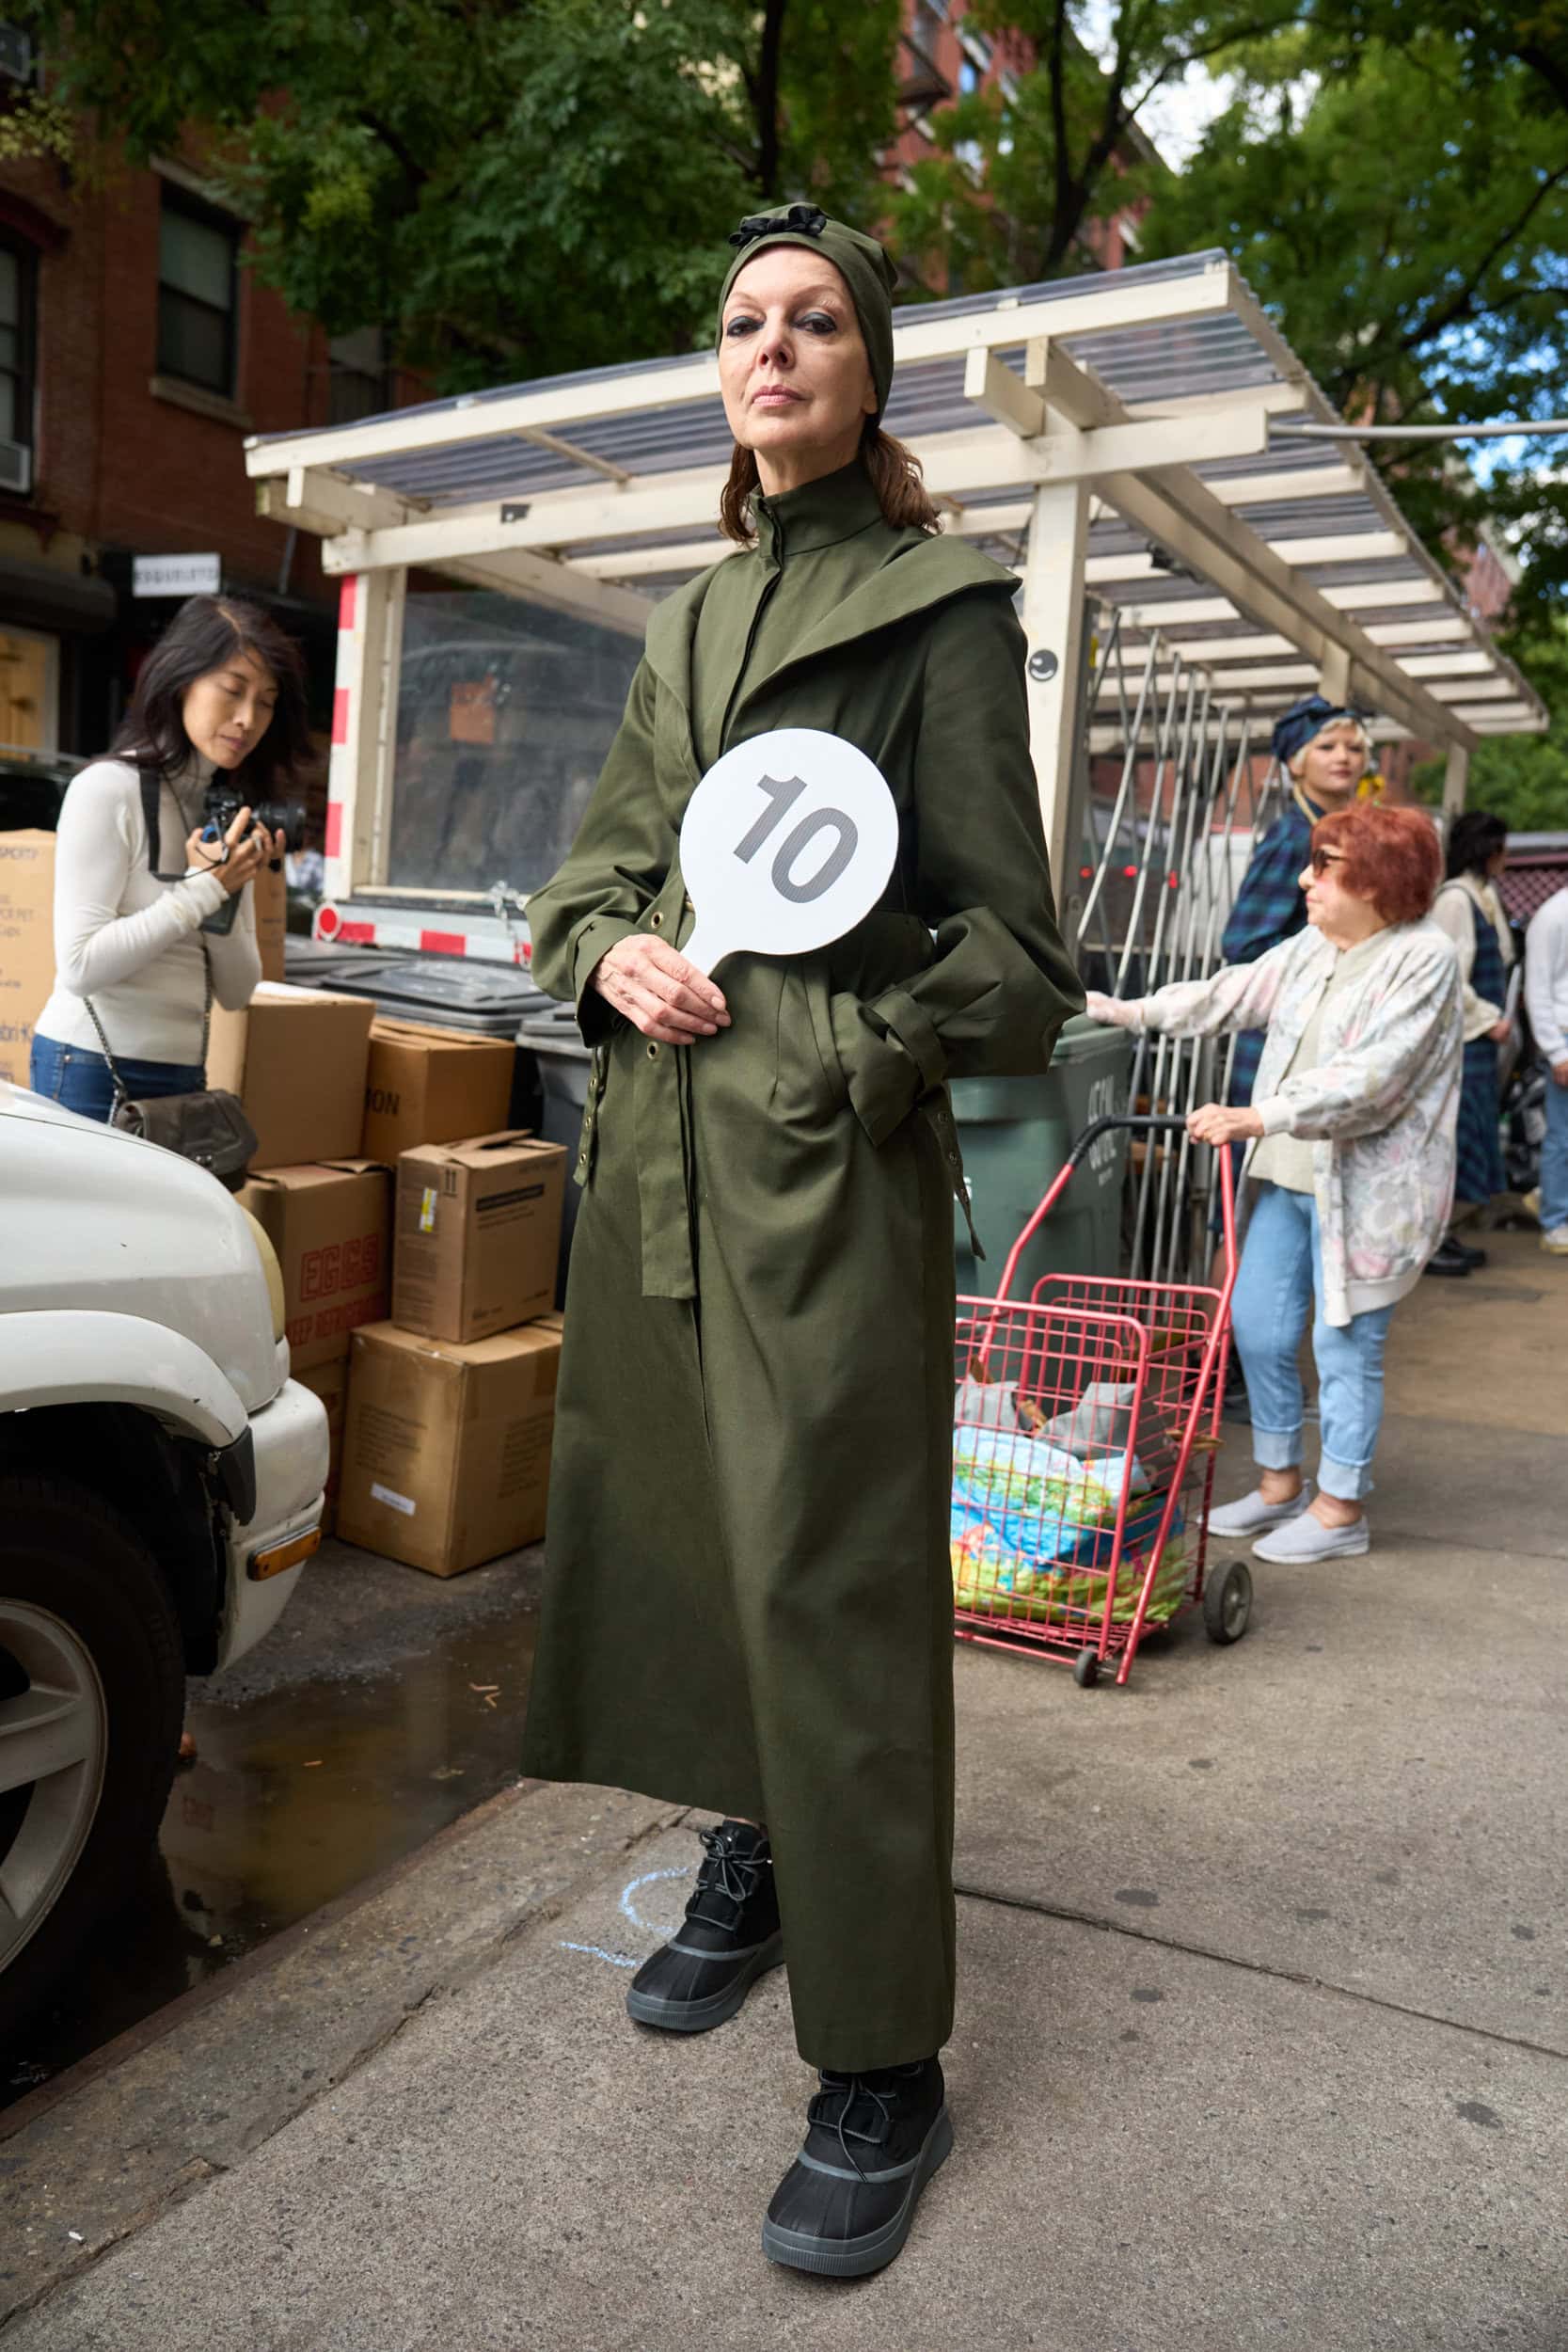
[92, 1688]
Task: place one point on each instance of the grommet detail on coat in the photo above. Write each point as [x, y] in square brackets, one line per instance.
[656, 922]
[653, 1053]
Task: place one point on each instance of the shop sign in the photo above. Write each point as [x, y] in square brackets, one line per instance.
[176, 575]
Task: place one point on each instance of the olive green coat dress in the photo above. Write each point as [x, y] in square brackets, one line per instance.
[748, 1605]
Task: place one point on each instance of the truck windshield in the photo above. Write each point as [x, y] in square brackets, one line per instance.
[505, 713]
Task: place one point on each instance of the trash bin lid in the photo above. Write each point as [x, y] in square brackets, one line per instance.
[321, 963]
[553, 1031]
[456, 994]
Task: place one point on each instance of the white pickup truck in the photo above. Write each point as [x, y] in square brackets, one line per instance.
[161, 1485]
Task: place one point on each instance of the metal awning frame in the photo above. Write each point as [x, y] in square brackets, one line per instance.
[1041, 454]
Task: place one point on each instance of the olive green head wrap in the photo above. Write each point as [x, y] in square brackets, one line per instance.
[858, 260]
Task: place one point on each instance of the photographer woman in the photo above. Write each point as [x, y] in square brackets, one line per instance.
[222, 693]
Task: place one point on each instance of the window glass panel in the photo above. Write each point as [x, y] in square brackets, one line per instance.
[192, 341]
[197, 258]
[8, 410]
[10, 347]
[505, 713]
[10, 288]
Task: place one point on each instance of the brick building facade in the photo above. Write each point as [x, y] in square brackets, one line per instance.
[137, 352]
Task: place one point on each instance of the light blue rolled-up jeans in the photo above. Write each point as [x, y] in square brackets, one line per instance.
[1281, 1276]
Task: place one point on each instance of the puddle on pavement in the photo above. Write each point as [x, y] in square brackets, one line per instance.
[297, 1796]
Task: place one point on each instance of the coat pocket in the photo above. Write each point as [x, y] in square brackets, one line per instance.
[816, 987]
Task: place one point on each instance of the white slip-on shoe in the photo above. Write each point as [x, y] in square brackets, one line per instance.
[1252, 1515]
[1555, 1241]
[1306, 1540]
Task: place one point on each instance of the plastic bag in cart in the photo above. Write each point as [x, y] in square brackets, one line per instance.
[1044, 1505]
[992, 1582]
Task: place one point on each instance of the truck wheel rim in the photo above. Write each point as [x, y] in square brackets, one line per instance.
[54, 1742]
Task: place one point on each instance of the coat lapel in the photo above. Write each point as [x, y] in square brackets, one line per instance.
[926, 572]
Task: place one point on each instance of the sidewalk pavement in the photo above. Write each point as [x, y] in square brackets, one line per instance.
[1261, 2036]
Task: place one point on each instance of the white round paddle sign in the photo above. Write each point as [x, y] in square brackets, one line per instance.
[786, 842]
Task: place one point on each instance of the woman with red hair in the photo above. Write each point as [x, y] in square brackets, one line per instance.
[1350, 1130]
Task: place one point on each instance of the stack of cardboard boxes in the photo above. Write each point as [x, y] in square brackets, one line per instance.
[416, 1234]
[418, 1237]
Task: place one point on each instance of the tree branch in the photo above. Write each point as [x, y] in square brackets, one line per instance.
[413, 170]
[1463, 302]
[765, 101]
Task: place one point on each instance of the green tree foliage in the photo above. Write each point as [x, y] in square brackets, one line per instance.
[1521, 778]
[1401, 205]
[512, 187]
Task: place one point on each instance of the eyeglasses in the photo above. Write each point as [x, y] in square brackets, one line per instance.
[1324, 859]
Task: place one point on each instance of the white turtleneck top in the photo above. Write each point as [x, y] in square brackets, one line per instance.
[126, 939]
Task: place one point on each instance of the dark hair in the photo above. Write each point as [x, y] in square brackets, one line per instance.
[1474, 842]
[204, 634]
[1391, 856]
[895, 472]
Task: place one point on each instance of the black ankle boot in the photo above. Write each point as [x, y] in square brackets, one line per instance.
[729, 1937]
[872, 2141]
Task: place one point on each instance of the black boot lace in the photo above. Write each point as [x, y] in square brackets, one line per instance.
[730, 1873]
[844, 2089]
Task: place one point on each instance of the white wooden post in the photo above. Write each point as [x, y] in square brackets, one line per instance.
[1053, 629]
[1456, 778]
[1334, 676]
[364, 722]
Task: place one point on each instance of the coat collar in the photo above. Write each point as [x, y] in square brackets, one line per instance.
[920, 573]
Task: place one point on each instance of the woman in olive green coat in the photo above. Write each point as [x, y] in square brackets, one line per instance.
[749, 1599]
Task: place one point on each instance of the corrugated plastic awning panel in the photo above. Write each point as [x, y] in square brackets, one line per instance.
[1214, 355]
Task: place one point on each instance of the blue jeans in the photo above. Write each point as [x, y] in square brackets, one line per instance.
[80, 1081]
[1281, 1276]
[1554, 1157]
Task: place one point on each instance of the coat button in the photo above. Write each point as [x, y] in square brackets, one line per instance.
[653, 1053]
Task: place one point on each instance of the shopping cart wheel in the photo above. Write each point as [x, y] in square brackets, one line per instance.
[1085, 1669]
[1228, 1603]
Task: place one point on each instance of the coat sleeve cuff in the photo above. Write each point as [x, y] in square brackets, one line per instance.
[913, 1027]
[1275, 1115]
[884, 1082]
[592, 940]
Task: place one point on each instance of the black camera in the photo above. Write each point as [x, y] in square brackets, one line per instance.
[224, 804]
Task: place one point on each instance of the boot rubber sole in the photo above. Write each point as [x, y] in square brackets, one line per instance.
[649, 2009]
[857, 2257]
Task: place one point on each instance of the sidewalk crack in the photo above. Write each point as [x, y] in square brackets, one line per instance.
[1255, 1967]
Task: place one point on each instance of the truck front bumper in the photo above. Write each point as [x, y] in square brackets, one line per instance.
[288, 1448]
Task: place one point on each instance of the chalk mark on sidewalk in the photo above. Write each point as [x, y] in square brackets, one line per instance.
[621, 1959]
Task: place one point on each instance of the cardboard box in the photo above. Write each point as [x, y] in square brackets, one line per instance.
[478, 1234]
[446, 1452]
[426, 1085]
[331, 1227]
[270, 891]
[330, 1382]
[26, 945]
[296, 1059]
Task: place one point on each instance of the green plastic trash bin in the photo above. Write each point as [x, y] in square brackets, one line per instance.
[1016, 1134]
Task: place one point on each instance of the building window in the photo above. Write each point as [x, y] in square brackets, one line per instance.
[358, 376]
[198, 255]
[18, 284]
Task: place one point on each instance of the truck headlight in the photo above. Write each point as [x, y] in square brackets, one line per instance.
[273, 1271]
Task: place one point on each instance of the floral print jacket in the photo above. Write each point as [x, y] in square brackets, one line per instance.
[1382, 1103]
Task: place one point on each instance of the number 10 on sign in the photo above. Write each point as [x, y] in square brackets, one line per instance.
[787, 843]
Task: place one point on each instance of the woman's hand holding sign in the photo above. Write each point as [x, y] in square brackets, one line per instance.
[785, 843]
[662, 995]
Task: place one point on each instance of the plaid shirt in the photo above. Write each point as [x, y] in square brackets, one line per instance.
[1269, 907]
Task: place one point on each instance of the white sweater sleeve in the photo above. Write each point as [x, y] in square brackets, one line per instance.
[98, 843]
[1450, 911]
[1546, 977]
